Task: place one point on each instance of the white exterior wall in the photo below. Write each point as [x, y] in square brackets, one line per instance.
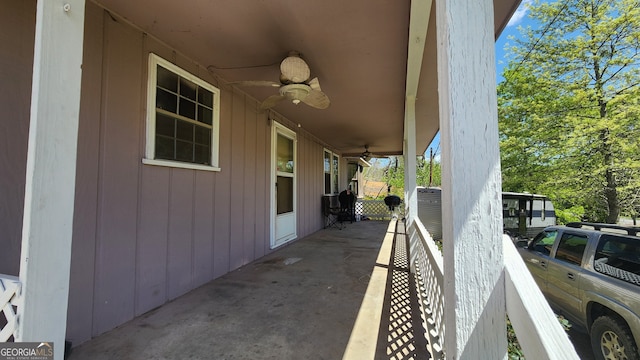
[471, 182]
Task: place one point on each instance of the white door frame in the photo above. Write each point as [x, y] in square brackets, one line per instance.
[290, 219]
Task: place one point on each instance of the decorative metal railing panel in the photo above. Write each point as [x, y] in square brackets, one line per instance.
[10, 289]
[377, 210]
[427, 266]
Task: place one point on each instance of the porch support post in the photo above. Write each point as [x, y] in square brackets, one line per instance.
[471, 182]
[51, 172]
[410, 194]
[418, 24]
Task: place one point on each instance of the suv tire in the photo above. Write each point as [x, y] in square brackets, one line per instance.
[611, 339]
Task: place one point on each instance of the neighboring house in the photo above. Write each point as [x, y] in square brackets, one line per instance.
[177, 167]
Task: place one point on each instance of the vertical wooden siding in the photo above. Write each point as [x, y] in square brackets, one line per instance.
[146, 234]
[16, 61]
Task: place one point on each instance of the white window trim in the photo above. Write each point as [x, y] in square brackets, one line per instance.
[149, 159]
[331, 156]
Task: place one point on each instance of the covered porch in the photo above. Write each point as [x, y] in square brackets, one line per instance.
[347, 294]
[110, 233]
[299, 302]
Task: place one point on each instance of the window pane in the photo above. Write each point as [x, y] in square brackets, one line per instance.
[205, 97]
[184, 151]
[285, 195]
[167, 79]
[327, 162]
[327, 183]
[166, 101]
[205, 115]
[164, 148]
[544, 242]
[187, 108]
[165, 125]
[184, 131]
[187, 89]
[335, 174]
[352, 169]
[202, 154]
[571, 248]
[203, 136]
[285, 154]
[618, 252]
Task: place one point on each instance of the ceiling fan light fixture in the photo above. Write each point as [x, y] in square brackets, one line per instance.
[294, 69]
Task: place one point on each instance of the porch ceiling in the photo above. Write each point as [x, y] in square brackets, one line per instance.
[357, 49]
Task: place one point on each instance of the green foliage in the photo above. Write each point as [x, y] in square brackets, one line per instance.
[394, 176]
[425, 170]
[569, 108]
[572, 214]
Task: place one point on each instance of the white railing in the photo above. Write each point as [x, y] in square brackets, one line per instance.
[541, 335]
[427, 265]
[10, 289]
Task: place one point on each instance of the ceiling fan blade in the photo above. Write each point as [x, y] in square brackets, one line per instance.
[317, 99]
[314, 84]
[256, 83]
[271, 101]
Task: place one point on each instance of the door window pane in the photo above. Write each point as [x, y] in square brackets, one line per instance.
[571, 248]
[285, 195]
[285, 154]
[543, 243]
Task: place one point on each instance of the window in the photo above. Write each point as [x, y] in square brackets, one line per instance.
[621, 252]
[352, 175]
[182, 118]
[571, 248]
[543, 243]
[331, 172]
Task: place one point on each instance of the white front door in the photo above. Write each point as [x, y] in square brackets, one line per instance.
[283, 179]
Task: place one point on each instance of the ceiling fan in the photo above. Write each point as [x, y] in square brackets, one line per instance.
[295, 85]
[367, 155]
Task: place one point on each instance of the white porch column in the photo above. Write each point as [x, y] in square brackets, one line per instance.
[410, 194]
[418, 24]
[471, 182]
[51, 172]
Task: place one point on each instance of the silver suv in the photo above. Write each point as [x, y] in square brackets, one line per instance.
[590, 273]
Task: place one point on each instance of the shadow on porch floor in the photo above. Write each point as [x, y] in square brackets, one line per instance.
[300, 302]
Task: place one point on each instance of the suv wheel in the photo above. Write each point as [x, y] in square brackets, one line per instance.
[612, 340]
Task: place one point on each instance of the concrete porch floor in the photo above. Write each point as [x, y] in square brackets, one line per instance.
[300, 302]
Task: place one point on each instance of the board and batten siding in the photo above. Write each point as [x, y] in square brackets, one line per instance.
[17, 33]
[144, 235]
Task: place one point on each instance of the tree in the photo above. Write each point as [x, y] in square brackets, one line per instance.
[569, 107]
[393, 174]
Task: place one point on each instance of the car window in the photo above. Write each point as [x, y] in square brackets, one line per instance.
[619, 256]
[571, 248]
[543, 242]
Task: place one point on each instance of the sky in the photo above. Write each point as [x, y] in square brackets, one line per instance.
[519, 18]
